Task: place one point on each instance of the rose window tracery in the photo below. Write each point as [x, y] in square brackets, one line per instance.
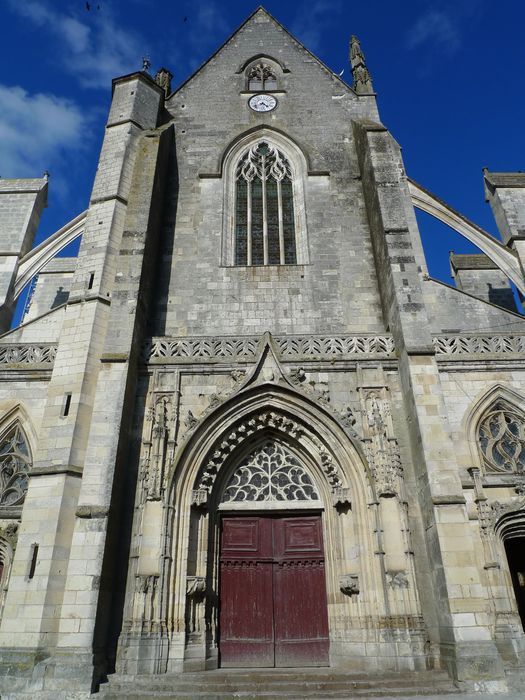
[501, 438]
[15, 463]
[270, 473]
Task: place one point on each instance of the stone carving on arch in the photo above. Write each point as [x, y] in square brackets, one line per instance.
[247, 430]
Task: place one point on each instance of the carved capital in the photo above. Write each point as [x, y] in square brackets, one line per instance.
[341, 496]
[195, 587]
[349, 584]
[199, 497]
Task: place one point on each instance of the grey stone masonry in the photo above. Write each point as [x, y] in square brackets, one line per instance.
[51, 287]
[385, 191]
[31, 621]
[479, 276]
[506, 194]
[21, 205]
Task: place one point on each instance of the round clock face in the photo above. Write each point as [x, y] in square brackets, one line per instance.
[262, 103]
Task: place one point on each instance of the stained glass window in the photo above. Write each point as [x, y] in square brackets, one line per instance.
[265, 218]
[15, 463]
[501, 437]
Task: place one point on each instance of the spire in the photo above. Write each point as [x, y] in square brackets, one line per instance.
[362, 79]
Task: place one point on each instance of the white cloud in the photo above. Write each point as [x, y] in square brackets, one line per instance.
[436, 27]
[36, 131]
[312, 20]
[95, 50]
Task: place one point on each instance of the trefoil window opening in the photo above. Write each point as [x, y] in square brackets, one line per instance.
[262, 77]
[264, 216]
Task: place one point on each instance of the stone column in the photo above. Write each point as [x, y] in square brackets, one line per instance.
[459, 591]
[36, 608]
[21, 205]
[505, 193]
[96, 538]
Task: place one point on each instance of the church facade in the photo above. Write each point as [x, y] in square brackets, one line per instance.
[245, 427]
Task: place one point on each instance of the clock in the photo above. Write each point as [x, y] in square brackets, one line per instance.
[262, 103]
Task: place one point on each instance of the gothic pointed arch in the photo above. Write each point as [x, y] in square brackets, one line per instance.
[270, 474]
[278, 409]
[268, 427]
[496, 432]
[264, 174]
[16, 457]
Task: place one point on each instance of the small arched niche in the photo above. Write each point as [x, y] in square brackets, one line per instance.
[263, 74]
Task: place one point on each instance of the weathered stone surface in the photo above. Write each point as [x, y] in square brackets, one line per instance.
[167, 365]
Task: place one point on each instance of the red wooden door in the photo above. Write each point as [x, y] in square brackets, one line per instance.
[246, 602]
[272, 592]
[299, 593]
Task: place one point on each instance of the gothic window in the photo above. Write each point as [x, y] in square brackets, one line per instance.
[501, 439]
[270, 473]
[15, 463]
[262, 77]
[264, 208]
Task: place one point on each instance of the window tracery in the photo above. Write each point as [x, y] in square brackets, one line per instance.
[501, 439]
[270, 473]
[262, 76]
[264, 208]
[15, 463]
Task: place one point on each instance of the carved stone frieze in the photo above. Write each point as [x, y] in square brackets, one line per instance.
[314, 347]
[27, 354]
[341, 496]
[452, 345]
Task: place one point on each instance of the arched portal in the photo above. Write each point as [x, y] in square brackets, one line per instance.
[326, 479]
[515, 551]
[510, 530]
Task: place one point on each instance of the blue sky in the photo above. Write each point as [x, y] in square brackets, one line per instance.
[448, 74]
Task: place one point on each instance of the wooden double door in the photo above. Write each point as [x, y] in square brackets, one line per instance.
[273, 608]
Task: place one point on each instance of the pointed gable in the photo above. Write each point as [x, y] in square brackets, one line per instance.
[262, 35]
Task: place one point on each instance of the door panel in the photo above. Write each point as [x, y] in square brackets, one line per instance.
[246, 611]
[300, 606]
[273, 608]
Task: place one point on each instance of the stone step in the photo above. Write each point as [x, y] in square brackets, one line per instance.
[284, 694]
[275, 685]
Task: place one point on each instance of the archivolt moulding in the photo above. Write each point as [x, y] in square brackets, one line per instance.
[247, 430]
